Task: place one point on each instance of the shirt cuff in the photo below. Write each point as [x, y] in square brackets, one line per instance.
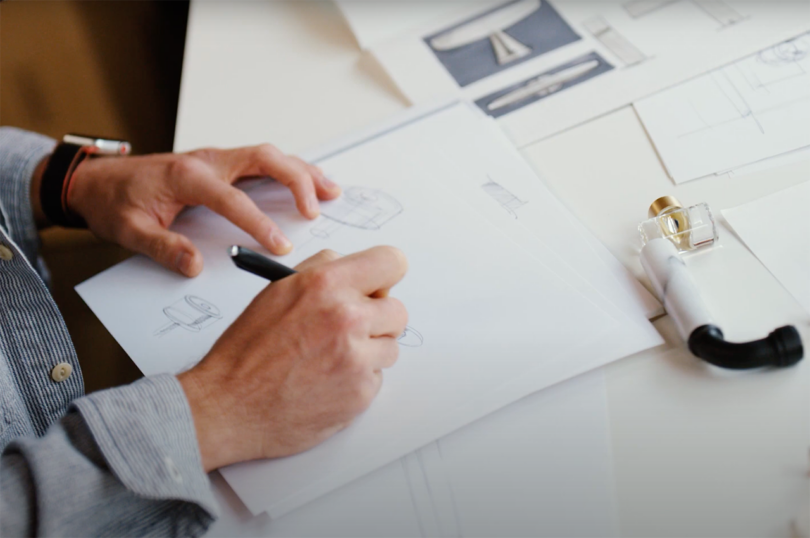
[21, 152]
[146, 433]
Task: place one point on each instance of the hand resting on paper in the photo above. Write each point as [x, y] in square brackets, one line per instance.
[302, 361]
[133, 200]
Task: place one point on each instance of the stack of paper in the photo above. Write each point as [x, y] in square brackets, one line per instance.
[751, 110]
[542, 67]
[539, 467]
[507, 293]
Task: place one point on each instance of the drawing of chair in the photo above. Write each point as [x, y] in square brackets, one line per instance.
[493, 25]
[359, 207]
[191, 313]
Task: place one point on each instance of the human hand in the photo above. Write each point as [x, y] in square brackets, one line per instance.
[301, 361]
[133, 200]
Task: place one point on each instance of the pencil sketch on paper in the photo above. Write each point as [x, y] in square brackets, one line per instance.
[788, 52]
[614, 41]
[410, 337]
[499, 39]
[717, 10]
[363, 208]
[506, 199]
[769, 81]
[191, 313]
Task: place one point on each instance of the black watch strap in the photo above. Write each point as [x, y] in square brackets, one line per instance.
[56, 178]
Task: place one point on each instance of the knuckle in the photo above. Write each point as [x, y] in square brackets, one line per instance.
[183, 166]
[320, 280]
[328, 255]
[399, 311]
[268, 151]
[348, 318]
[367, 391]
[234, 197]
[398, 257]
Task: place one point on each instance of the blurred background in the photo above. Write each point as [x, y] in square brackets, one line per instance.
[102, 68]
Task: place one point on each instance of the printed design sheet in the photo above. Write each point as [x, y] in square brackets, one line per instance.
[541, 67]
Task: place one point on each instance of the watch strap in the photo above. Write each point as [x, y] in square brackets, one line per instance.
[55, 184]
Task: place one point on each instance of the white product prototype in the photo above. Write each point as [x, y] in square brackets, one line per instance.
[544, 85]
[507, 48]
[674, 286]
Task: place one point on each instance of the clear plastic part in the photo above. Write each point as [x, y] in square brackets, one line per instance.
[687, 228]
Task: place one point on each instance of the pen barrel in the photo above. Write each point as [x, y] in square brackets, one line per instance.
[259, 265]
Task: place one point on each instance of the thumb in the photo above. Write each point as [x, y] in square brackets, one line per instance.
[171, 250]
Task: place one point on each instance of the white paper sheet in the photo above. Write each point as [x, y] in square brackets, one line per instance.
[539, 467]
[775, 229]
[374, 22]
[456, 131]
[755, 108]
[636, 54]
[428, 394]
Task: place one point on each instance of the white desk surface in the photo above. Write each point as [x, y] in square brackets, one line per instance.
[697, 451]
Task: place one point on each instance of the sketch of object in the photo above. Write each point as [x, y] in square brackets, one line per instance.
[541, 86]
[718, 10]
[410, 337]
[191, 313]
[507, 48]
[787, 52]
[614, 41]
[359, 207]
[506, 199]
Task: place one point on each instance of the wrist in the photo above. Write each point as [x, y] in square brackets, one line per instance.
[218, 437]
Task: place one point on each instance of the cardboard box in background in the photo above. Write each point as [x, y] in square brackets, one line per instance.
[106, 68]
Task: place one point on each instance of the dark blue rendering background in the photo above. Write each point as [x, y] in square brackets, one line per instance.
[543, 31]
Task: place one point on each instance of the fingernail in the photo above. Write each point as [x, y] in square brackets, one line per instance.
[312, 207]
[183, 263]
[328, 183]
[280, 242]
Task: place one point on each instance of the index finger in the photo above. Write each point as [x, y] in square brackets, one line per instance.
[237, 207]
[372, 272]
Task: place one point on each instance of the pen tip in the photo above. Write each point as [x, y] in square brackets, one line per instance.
[233, 250]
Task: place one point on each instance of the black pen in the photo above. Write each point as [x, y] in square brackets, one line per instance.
[259, 265]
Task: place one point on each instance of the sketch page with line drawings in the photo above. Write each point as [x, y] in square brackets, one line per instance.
[498, 302]
[753, 109]
[568, 239]
[541, 67]
[493, 323]
[470, 482]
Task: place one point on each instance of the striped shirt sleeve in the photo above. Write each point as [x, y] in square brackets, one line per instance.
[20, 153]
[123, 462]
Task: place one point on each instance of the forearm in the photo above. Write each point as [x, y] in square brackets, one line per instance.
[110, 467]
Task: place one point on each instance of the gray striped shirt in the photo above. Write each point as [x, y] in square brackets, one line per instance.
[119, 462]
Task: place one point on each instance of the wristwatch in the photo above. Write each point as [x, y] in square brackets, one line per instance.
[57, 176]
